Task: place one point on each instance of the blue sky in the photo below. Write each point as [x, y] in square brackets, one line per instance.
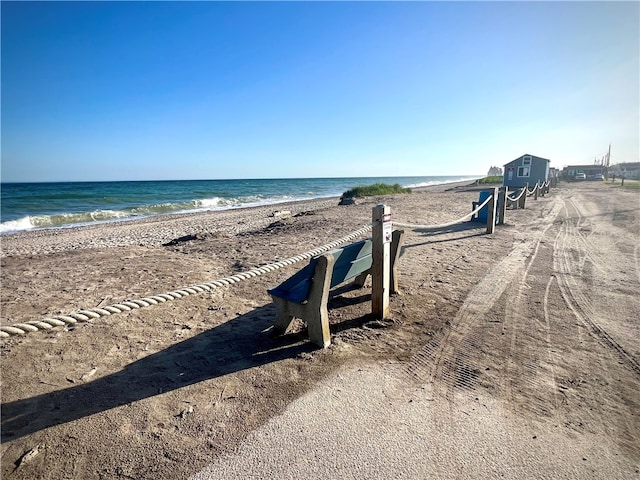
[170, 90]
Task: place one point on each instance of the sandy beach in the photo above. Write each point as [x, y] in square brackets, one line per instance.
[513, 355]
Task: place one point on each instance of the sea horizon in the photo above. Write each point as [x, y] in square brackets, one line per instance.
[52, 204]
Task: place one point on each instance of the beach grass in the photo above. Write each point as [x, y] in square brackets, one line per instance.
[375, 189]
[490, 179]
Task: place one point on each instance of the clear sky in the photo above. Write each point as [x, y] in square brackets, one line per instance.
[182, 90]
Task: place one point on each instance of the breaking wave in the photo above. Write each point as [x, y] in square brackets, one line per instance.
[100, 216]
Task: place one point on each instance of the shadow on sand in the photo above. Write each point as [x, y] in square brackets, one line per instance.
[238, 344]
[466, 229]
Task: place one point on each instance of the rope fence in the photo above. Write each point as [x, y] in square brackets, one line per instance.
[444, 225]
[522, 192]
[98, 312]
[539, 189]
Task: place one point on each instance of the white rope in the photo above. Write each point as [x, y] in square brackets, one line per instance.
[518, 197]
[443, 225]
[531, 192]
[97, 312]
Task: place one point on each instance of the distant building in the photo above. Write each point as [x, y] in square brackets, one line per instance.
[570, 172]
[629, 170]
[527, 169]
[494, 172]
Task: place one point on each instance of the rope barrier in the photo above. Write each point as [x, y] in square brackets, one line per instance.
[97, 312]
[518, 197]
[443, 225]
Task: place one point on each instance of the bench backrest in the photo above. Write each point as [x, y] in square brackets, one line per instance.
[349, 262]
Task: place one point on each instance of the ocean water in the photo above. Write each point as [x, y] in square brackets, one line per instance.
[27, 206]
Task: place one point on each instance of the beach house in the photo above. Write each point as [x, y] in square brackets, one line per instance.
[527, 169]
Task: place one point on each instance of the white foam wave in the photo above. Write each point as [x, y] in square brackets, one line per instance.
[440, 182]
[62, 220]
[215, 202]
[18, 225]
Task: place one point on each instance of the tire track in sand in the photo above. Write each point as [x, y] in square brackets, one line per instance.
[528, 359]
[449, 360]
[567, 243]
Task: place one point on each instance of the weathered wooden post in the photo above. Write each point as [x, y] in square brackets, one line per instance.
[523, 198]
[622, 183]
[537, 189]
[491, 213]
[380, 268]
[502, 204]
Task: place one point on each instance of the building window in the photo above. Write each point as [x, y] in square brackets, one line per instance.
[523, 171]
[526, 161]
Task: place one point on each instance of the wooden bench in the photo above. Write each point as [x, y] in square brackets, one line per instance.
[305, 294]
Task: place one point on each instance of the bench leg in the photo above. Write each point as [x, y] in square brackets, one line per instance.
[361, 279]
[318, 326]
[314, 311]
[316, 314]
[283, 316]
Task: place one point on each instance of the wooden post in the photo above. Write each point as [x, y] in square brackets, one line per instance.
[491, 213]
[537, 189]
[502, 204]
[380, 269]
[622, 184]
[523, 198]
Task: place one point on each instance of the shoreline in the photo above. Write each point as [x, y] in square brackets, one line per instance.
[157, 230]
[114, 204]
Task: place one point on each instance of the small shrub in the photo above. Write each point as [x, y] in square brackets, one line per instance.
[375, 189]
[492, 179]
